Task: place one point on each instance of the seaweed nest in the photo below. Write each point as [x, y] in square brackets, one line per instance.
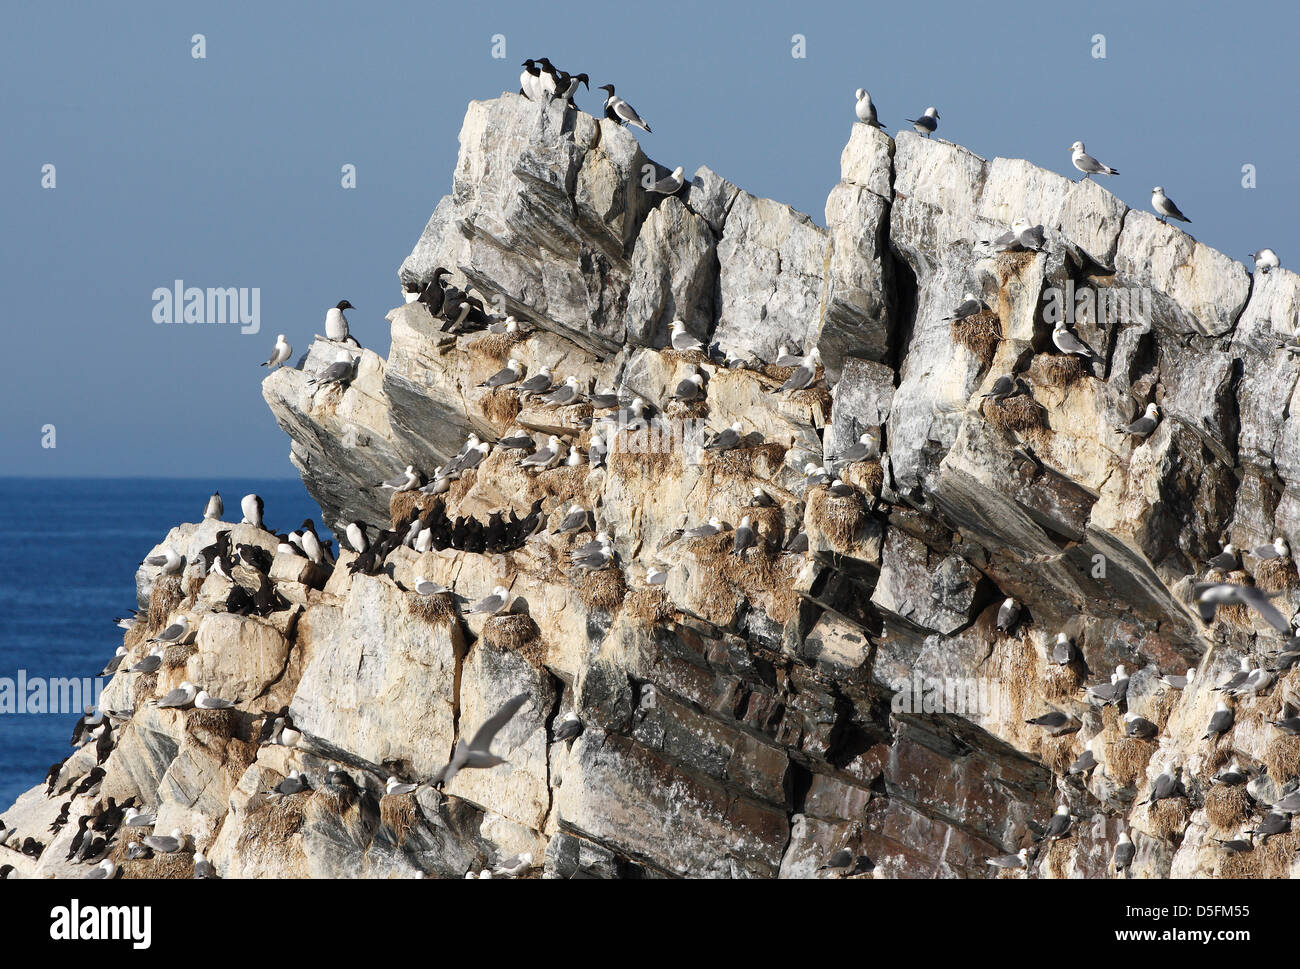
[761, 460]
[686, 409]
[1056, 858]
[603, 590]
[651, 605]
[1276, 854]
[165, 596]
[1127, 759]
[1282, 757]
[1161, 706]
[1168, 817]
[459, 488]
[495, 346]
[816, 398]
[1276, 575]
[435, 610]
[1057, 753]
[867, 476]
[1061, 682]
[274, 821]
[1020, 414]
[399, 812]
[722, 576]
[839, 519]
[517, 633]
[1227, 807]
[176, 655]
[695, 357]
[500, 406]
[1063, 369]
[400, 506]
[980, 334]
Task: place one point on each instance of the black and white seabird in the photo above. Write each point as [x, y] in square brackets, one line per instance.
[1145, 424]
[150, 663]
[1019, 860]
[927, 123]
[508, 374]
[1063, 650]
[864, 109]
[1138, 726]
[279, 354]
[616, 109]
[357, 537]
[568, 728]
[1087, 164]
[1165, 206]
[530, 81]
[168, 561]
[575, 521]
[690, 388]
[252, 507]
[492, 604]
[1008, 613]
[670, 184]
[971, 305]
[538, 383]
[1059, 825]
[805, 373]
[478, 753]
[215, 508]
[336, 324]
[1265, 260]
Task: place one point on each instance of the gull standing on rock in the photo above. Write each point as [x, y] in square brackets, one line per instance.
[406, 481]
[167, 560]
[280, 353]
[683, 341]
[670, 184]
[690, 388]
[927, 123]
[1008, 613]
[1265, 260]
[805, 373]
[865, 110]
[493, 604]
[508, 374]
[1068, 343]
[616, 109]
[1165, 206]
[1145, 424]
[543, 457]
[1087, 164]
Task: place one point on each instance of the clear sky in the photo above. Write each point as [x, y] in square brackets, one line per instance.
[225, 171]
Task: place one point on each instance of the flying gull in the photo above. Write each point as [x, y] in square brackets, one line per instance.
[1211, 595]
[478, 752]
[927, 123]
[281, 352]
[1165, 206]
[1087, 164]
[865, 110]
[616, 109]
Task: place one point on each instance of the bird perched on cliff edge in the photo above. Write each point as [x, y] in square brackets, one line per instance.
[336, 324]
[1165, 206]
[865, 110]
[280, 353]
[927, 124]
[616, 109]
[1087, 164]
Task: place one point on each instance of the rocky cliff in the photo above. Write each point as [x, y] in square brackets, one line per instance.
[755, 715]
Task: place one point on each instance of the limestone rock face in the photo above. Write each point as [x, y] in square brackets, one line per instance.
[757, 712]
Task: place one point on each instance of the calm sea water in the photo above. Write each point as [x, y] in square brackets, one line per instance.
[67, 567]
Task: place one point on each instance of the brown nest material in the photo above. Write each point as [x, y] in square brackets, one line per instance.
[695, 357]
[768, 524]
[515, 632]
[177, 655]
[165, 596]
[399, 812]
[816, 398]
[1276, 575]
[1057, 753]
[687, 409]
[143, 688]
[563, 482]
[1168, 817]
[400, 506]
[761, 460]
[459, 488]
[336, 802]
[1162, 706]
[434, 610]
[980, 334]
[1012, 263]
[651, 605]
[1016, 666]
[1282, 757]
[495, 346]
[1127, 759]
[1061, 682]
[1063, 369]
[501, 406]
[867, 476]
[1227, 807]
[192, 586]
[1020, 414]
[274, 821]
[760, 577]
[648, 466]
[839, 519]
[1277, 854]
[239, 756]
[1244, 864]
[218, 725]
[1056, 860]
[603, 590]
[177, 864]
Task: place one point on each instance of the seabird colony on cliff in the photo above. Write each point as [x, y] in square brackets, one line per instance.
[430, 526]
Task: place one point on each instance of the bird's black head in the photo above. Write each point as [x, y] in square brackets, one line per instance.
[607, 87]
[530, 64]
[585, 81]
[344, 305]
[546, 63]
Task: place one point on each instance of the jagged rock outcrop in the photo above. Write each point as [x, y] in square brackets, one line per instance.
[755, 715]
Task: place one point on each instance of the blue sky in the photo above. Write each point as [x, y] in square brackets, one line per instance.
[225, 171]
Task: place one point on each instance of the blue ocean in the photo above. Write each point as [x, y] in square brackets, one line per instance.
[70, 551]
